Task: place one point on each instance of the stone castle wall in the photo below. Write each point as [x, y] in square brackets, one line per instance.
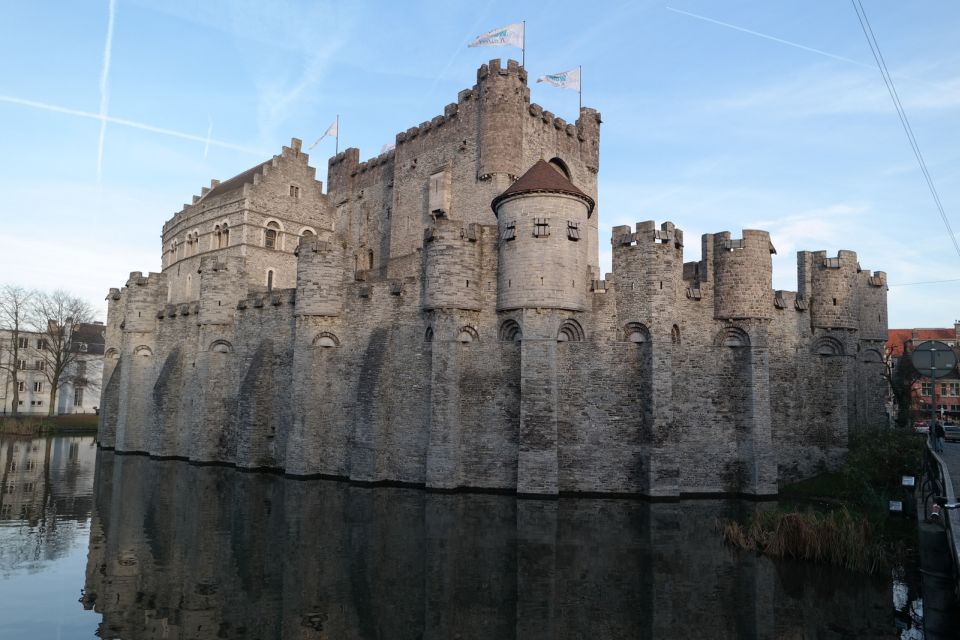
[411, 333]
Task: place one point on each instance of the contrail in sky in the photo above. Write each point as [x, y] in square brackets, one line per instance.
[104, 92]
[129, 123]
[206, 146]
[780, 40]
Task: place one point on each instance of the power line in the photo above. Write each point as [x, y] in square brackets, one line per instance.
[894, 96]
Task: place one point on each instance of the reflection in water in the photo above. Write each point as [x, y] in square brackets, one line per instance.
[46, 490]
[181, 551]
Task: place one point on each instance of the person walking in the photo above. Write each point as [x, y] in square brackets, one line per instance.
[938, 436]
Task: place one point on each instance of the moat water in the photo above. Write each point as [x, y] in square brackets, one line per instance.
[94, 544]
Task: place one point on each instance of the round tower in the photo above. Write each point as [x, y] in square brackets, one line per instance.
[451, 264]
[544, 256]
[833, 290]
[319, 278]
[743, 275]
[504, 96]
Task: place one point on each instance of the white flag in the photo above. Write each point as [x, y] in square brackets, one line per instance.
[564, 79]
[390, 146]
[332, 130]
[512, 34]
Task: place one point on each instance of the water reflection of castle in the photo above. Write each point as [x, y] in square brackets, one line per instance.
[181, 551]
[43, 483]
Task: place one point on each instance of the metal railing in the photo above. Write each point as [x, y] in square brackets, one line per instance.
[940, 503]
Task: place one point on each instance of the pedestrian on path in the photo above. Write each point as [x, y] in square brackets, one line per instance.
[938, 436]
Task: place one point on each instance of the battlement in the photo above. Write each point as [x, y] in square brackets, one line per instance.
[647, 233]
[276, 298]
[495, 68]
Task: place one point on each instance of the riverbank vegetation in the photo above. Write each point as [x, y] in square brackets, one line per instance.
[49, 425]
[842, 518]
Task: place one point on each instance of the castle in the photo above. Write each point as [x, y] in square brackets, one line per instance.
[438, 318]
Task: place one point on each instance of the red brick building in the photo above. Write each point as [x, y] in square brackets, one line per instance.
[901, 342]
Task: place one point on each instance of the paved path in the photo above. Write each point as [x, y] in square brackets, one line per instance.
[951, 455]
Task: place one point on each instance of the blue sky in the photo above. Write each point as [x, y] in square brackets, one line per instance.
[717, 116]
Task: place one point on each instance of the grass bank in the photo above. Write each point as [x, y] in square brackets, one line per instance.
[49, 425]
[841, 518]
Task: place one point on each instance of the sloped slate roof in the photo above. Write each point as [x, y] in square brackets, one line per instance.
[237, 181]
[543, 178]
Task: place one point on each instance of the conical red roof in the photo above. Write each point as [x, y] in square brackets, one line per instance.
[543, 178]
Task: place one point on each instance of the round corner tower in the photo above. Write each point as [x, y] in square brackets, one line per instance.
[542, 221]
[832, 288]
[743, 275]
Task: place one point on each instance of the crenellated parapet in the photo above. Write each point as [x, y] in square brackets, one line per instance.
[743, 275]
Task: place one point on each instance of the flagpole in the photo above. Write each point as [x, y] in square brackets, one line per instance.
[523, 49]
[336, 148]
[580, 89]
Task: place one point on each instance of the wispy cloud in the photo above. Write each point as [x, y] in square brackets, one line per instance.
[129, 123]
[206, 145]
[104, 86]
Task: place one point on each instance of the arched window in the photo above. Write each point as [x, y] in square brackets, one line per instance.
[733, 337]
[510, 331]
[216, 239]
[226, 236]
[468, 334]
[326, 339]
[561, 167]
[270, 280]
[271, 235]
[370, 259]
[428, 335]
[675, 335]
[636, 332]
[570, 331]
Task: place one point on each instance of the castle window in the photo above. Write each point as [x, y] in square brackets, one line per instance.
[270, 280]
[573, 230]
[570, 331]
[215, 240]
[541, 227]
[509, 231]
[561, 167]
[370, 259]
[270, 236]
[510, 331]
[294, 191]
[226, 236]
[675, 335]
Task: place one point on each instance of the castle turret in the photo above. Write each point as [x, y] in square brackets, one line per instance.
[319, 278]
[451, 264]
[647, 270]
[872, 298]
[743, 275]
[830, 286]
[223, 282]
[543, 260]
[504, 96]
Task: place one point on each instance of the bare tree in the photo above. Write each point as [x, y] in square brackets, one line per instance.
[14, 305]
[54, 318]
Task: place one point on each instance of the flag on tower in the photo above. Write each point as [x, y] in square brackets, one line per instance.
[332, 130]
[511, 35]
[563, 79]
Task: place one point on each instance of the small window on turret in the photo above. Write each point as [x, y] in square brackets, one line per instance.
[573, 230]
[541, 227]
[294, 191]
[509, 231]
